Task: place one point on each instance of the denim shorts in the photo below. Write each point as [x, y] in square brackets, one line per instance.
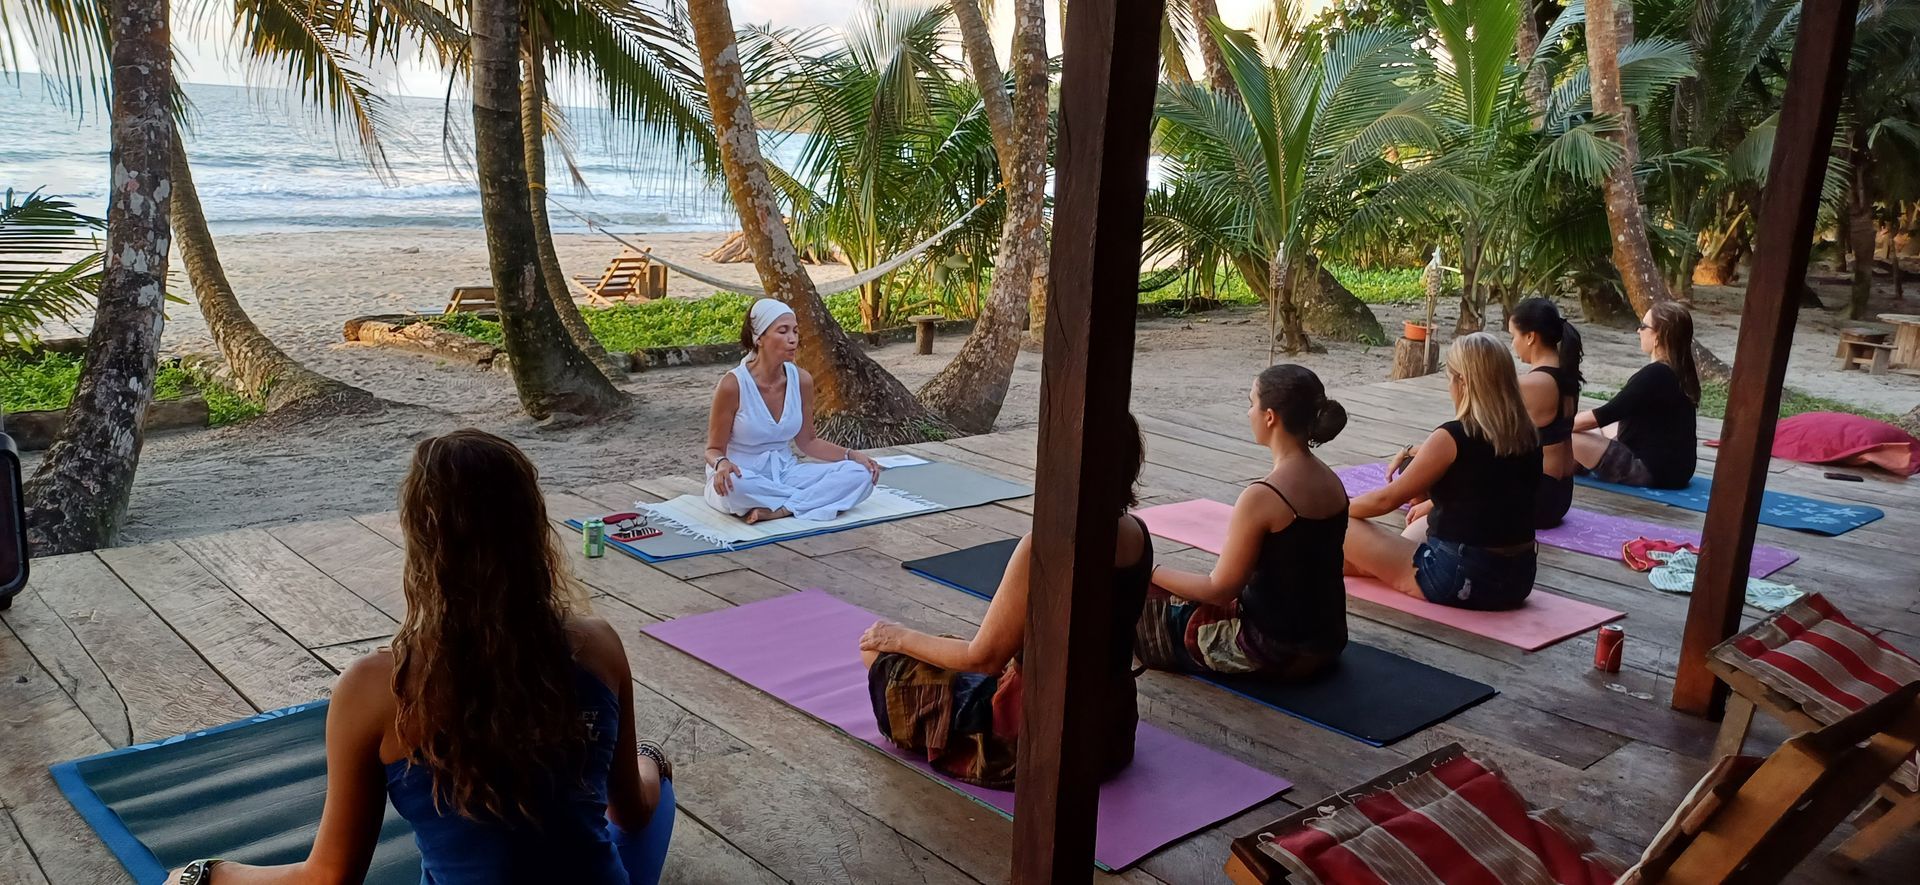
[1473, 577]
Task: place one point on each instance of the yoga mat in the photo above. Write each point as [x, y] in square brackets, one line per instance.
[1373, 696]
[803, 648]
[249, 791]
[1544, 620]
[1777, 509]
[936, 485]
[1584, 531]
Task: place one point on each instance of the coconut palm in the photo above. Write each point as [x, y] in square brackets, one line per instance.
[49, 263]
[1609, 29]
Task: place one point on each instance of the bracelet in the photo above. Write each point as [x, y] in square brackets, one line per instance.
[846, 455]
[720, 460]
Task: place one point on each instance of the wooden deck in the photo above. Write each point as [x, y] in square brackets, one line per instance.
[144, 642]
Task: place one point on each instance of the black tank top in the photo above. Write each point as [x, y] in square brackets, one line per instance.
[1560, 429]
[1484, 500]
[1130, 585]
[1297, 594]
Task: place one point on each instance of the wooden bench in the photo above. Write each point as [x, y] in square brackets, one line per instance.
[923, 332]
[472, 299]
[1864, 347]
[631, 276]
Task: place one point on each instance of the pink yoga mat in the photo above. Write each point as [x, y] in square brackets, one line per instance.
[1543, 621]
[803, 648]
[1595, 534]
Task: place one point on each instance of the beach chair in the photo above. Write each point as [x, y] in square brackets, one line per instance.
[1809, 666]
[631, 276]
[1749, 821]
[472, 299]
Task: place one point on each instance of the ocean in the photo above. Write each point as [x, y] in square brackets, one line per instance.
[263, 162]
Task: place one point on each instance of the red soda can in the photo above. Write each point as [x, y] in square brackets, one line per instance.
[1607, 651]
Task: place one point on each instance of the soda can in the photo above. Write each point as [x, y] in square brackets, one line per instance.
[593, 534]
[1607, 651]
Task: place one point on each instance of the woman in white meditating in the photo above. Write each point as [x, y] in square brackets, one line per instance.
[762, 412]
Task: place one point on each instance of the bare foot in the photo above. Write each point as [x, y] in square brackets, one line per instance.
[762, 514]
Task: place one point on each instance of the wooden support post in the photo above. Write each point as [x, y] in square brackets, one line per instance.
[1106, 110]
[1787, 214]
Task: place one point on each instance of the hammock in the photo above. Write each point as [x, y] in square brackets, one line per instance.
[853, 282]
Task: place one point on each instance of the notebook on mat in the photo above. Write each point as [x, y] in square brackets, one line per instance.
[1373, 696]
[802, 649]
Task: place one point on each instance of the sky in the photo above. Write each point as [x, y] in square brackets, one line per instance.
[208, 53]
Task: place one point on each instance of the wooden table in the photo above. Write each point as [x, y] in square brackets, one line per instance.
[1906, 339]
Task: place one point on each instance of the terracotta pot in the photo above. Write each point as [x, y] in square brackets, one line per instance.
[1413, 331]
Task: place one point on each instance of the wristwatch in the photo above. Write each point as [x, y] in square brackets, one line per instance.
[200, 872]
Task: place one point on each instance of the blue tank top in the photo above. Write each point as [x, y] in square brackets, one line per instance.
[572, 843]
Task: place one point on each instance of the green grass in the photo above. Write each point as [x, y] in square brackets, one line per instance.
[47, 382]
[668, 322]
[1386, 285]
[1713, 403]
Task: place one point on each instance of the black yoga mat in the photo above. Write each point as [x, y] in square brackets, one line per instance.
[248, 791]
[1373, 696]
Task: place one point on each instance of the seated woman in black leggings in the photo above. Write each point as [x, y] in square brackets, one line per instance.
[1475, 548]
[1275, 605]
[1644, 436]
[1543, 339]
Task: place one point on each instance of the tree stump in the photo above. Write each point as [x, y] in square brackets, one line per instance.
[1411, 359]
[923, 328]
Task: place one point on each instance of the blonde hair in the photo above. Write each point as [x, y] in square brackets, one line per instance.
[1490, 405]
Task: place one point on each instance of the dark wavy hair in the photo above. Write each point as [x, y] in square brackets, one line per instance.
[1541, 317]
[1673, 329]
[1296, 395]
[1133, 452]
[483, 672]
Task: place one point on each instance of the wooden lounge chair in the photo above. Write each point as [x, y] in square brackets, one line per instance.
[631, 276]
[1750, 821]
[472, 299]
[1809, 666]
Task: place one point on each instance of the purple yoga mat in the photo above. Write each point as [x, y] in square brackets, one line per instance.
[803, 648]
[1584, 531]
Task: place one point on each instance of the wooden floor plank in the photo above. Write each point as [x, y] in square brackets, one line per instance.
[17, 863]
[269, 668]
[41, 726]
[359, 558]
[52, 643]
[699, 856]
[311, 607]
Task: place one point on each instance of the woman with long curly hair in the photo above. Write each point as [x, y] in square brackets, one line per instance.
[500, 720]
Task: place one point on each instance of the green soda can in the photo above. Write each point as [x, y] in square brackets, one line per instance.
[593, 534]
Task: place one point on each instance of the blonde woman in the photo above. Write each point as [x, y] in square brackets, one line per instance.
[1473, 547]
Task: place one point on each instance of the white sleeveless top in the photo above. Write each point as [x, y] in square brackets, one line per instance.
[755, 433]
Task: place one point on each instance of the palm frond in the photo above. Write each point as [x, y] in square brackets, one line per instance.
[49, 262]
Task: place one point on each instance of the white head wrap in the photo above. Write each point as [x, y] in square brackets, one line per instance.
[765, 313]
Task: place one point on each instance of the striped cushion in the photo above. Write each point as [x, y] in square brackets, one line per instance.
[1458, 822]
[1812, 654]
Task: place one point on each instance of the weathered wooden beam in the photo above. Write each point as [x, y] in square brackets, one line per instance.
[1787, 215]
[1106, 110]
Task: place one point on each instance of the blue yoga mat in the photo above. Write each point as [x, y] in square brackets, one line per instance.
[1373, 696]
[1777, 509]
[249, 791]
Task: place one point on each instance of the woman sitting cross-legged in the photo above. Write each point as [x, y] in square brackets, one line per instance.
[500, 721]
[1275, 604]
[1545, 340]
[1644, 436]
[762, 411]
[1474, 547]
[957, 701]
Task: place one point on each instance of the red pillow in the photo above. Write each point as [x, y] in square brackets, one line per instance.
[1831, 437]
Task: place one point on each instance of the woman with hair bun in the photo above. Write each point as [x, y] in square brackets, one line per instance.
[1543, 339]
[1275, 605]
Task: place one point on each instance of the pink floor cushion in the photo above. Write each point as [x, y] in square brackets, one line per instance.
[1834, 438]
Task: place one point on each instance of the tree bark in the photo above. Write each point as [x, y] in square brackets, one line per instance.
[1218, 78]
[550, 372]
[977, 41]
[1280, 278]
[78, 496]
[258, 366]
[1626, 220]
[1860, 227]
[533, 132]
[970, 391]
[855, 401]
[1527, 44]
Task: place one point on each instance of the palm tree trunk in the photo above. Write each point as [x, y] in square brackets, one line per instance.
[1860, 227]
[78, 496]
[970, 391]
[1626, 220]
[977, 40]
[551, 373]
[533, 126]
[1280, 276]
[855, 401]
[259, 367]
[1218, 78]
[1527, 44]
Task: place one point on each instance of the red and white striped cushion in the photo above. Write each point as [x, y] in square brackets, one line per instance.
[1457, 823]
[1812, 653]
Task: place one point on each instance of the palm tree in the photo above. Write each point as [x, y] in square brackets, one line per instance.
[1884, 124]
[41, 277]
[1610, 27]
[970, 391]
[855, 401]
[550, 371]
[78, 495]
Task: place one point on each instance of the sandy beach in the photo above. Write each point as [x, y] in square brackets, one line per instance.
[300, 288]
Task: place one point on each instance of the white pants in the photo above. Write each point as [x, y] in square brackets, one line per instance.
[811, 491]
